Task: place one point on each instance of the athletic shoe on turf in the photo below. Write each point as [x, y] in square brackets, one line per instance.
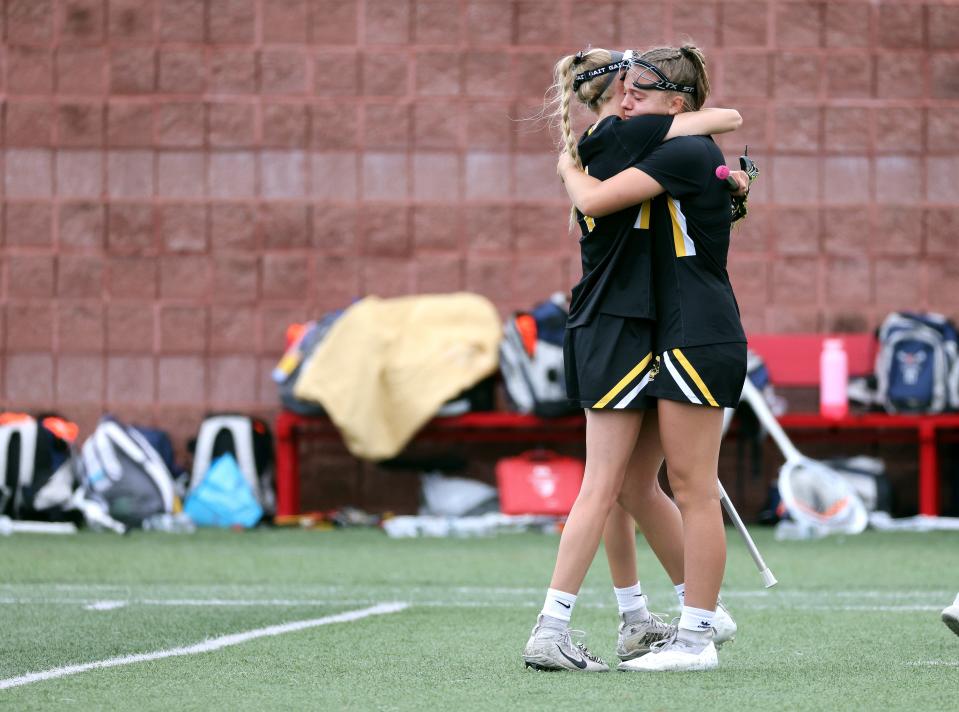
[673, 655]
[552, 649]
[950, 616]
[724, 625]
[635, 639]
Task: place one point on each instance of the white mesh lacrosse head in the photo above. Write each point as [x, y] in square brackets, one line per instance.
[817, 495]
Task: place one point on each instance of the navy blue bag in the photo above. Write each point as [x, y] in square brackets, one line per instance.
[288, 371]
[917, 363]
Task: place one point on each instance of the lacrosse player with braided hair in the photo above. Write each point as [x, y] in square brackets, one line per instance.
[610, 328]
[699, 340]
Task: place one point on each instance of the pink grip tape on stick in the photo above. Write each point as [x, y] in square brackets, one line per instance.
[722, 172]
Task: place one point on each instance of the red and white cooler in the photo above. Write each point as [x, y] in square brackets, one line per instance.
[538, 482]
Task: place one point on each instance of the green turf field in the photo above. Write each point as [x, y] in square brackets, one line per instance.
[854, 624]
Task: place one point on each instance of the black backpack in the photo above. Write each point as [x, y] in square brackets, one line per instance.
[37, 477]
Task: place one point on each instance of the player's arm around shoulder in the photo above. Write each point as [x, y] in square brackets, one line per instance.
[704, 122]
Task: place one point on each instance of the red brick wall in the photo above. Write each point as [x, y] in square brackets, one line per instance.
[182, 178]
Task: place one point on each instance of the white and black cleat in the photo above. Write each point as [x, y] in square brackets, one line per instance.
[635, 639]
[724, 625]
[552, 649]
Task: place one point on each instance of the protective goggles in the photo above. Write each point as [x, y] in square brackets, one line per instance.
[619, 59]
[651, 77]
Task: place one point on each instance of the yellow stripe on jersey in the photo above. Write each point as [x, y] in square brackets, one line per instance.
[626, 380]
[590, 222]
[684, 245]
[642, 220]
[695, 376]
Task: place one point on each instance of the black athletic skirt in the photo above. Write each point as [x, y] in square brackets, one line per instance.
[608, 363]
[703, 375]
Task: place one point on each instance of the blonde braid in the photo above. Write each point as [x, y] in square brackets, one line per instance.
[565, 80]
[569, 138]
[592, 94]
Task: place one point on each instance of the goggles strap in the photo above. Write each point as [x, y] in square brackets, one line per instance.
[663, 83]
[613, 66]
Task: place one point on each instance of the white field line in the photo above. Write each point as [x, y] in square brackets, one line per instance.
[433, 603]
[206, 646]
[105, 605]
[104, 590]
[934, 663]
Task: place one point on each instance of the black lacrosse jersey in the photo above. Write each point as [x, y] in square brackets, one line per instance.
[695, 304]
[616, 249]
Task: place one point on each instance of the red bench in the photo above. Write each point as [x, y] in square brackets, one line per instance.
[792, 360]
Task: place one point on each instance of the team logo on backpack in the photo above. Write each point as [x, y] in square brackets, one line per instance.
[911, 366]
[917, 366]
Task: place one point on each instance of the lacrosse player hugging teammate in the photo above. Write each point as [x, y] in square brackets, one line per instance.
[698, 337]
[610, 362]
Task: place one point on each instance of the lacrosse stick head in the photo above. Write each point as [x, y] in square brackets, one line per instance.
[747, 164]
[817, 495]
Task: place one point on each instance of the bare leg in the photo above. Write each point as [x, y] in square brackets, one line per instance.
[610, 437]
[619, 536]
[663, 526]
[657, 515]
[691, 437]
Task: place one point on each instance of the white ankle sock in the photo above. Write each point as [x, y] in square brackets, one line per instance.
[695, 641]
[681, 593]
[630, 598]
[559, 604]
[696, 619]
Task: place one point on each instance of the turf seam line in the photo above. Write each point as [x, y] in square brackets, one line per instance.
[205, 646]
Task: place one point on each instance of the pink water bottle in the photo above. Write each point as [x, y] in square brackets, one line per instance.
[833, 379]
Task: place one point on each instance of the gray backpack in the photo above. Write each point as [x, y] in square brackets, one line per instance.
[123, 471]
